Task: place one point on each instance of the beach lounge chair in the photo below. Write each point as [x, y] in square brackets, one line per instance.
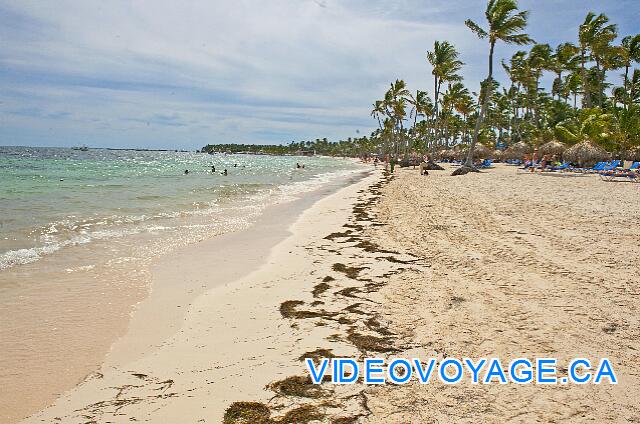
[633, 177]
[632, 166]
[631, 173]
[563, 167]
[597, 167]
[610, 167]
[621, 176]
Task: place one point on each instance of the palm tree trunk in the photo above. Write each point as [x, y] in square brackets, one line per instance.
[585, 88]
[436, 119]
[435, 90]
[627, 104]
[483, 110]
[600, 88]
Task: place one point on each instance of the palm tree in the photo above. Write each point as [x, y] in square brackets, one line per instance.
[394, 104]
[506, 24]
[518, 72]
[464, 104]
[539, 60]
[611, 58]
[414, 101]
[445, 62]
[564, 58]
[378, 109]
[422, 105]
[454, 95]
[572, 85]
[630, 53]
[634, 88]
[594, 33]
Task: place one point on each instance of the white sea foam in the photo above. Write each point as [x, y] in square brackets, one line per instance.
[224, 216]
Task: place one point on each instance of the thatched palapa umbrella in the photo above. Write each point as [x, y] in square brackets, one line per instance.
[497, 154]
[631, 154]
[585, 153]
[481, 152]
[447, 154]
[440, 154]
[460, 154]
[517, 151]
[552, 148]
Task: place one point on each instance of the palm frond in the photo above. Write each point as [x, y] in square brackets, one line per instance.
[479, 32]
[519, 39]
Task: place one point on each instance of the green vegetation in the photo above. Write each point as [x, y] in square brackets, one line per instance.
[582, 102]
[521, 110]
[350, 147]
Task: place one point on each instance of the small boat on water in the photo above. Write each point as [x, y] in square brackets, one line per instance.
[82, 148]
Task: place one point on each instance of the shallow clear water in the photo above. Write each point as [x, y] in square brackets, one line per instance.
[80, 231]
[52, 199]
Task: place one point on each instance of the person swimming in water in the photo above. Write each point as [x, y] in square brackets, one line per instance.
[186, 172]
[213, 169]
[224, 172]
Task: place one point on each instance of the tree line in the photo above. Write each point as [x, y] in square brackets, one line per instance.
[520, 109]
[349, 147]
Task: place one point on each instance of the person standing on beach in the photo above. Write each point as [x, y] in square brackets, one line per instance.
[423, 166]
[392, 163]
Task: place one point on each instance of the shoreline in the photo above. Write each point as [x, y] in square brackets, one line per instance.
[161, 314]
[72, 328]
[178, 278]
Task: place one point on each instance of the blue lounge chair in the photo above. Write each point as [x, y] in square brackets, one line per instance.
[613, 165]
[597, 167]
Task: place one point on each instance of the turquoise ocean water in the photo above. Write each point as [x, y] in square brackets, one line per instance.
[55, 199]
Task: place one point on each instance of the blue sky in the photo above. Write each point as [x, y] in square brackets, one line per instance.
[166, 74]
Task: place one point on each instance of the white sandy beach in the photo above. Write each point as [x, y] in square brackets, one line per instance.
[501, 263]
